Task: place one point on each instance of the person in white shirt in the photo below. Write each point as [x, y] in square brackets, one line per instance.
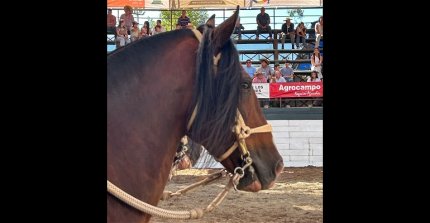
[318, 32]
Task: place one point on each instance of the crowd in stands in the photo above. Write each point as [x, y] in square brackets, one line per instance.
[128, 31]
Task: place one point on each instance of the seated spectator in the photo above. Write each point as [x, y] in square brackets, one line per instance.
[316, 61]
[265, 69]
[277, 78]
[318, 32]
[111, 22]
[128, 17]
[134, 33]
[148, 29]
[263, 21]
[276, 67]
[184, 20]
[122, 35]
[300, 35]
[238, 28]
[249, 68]
[143, 33]
[259, 78]
[161, 28]
[314, 77]
[288, 30]
[157, 29]
[288, 72]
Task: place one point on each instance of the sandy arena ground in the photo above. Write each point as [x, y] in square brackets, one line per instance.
[296, 197]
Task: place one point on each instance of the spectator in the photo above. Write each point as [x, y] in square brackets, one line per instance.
[288, 72]
[122, 35]
[316, 61]
[300, 35]
[265, 69]
[184, 20]
[134, 33]
[288, 30]
[314, 77]
[162, 29]
[143, 32]
[276, 67]
[249, 68]
[111, 22]
[319, 32]
[148, 29]
[263, 21]
[128, 17]
[238, 28]
[259, 78]
[278, 77]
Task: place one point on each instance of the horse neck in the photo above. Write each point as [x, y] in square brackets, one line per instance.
[146, 120]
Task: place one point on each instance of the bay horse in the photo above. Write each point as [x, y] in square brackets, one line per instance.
[154, 85]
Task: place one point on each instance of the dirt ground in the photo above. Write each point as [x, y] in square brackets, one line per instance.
[296, 197]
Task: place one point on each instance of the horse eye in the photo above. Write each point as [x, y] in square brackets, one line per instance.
[245, 85]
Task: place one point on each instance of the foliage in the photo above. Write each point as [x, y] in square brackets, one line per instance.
[197, 18]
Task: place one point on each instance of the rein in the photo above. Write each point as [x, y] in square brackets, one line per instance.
[241, 130]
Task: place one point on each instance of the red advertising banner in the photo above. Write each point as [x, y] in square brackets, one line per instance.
[296, 89]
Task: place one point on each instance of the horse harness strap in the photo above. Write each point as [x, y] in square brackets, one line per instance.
[242, 132]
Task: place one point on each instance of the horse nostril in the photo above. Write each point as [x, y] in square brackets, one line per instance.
[279, 167]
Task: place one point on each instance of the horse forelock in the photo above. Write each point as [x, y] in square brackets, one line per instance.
[217, 95]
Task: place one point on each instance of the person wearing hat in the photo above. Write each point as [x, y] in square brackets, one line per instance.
[134, 33]
[128, 17]
[288, 30]
[265, 69]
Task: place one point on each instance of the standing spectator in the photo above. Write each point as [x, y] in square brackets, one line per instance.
[122, 35]
[111, 22]
[128, 17]
[300, 35]
[265, 69]
[316, 61]
[134, 33]
[249, 68]
[263, 21]
[288, 72]
[184, 20]
[162, 29]
[319, 32]
[288, 30]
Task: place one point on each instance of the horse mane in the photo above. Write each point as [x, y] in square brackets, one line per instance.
[217, 95]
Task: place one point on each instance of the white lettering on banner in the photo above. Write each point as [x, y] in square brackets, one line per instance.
[261, 90]
[296, 88]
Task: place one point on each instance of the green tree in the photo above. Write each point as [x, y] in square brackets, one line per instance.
[197, 18]
[298, 12]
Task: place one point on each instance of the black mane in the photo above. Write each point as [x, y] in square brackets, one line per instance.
[217, 95]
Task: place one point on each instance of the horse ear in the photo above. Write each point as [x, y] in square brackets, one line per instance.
[211, 21]
[223, 32]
